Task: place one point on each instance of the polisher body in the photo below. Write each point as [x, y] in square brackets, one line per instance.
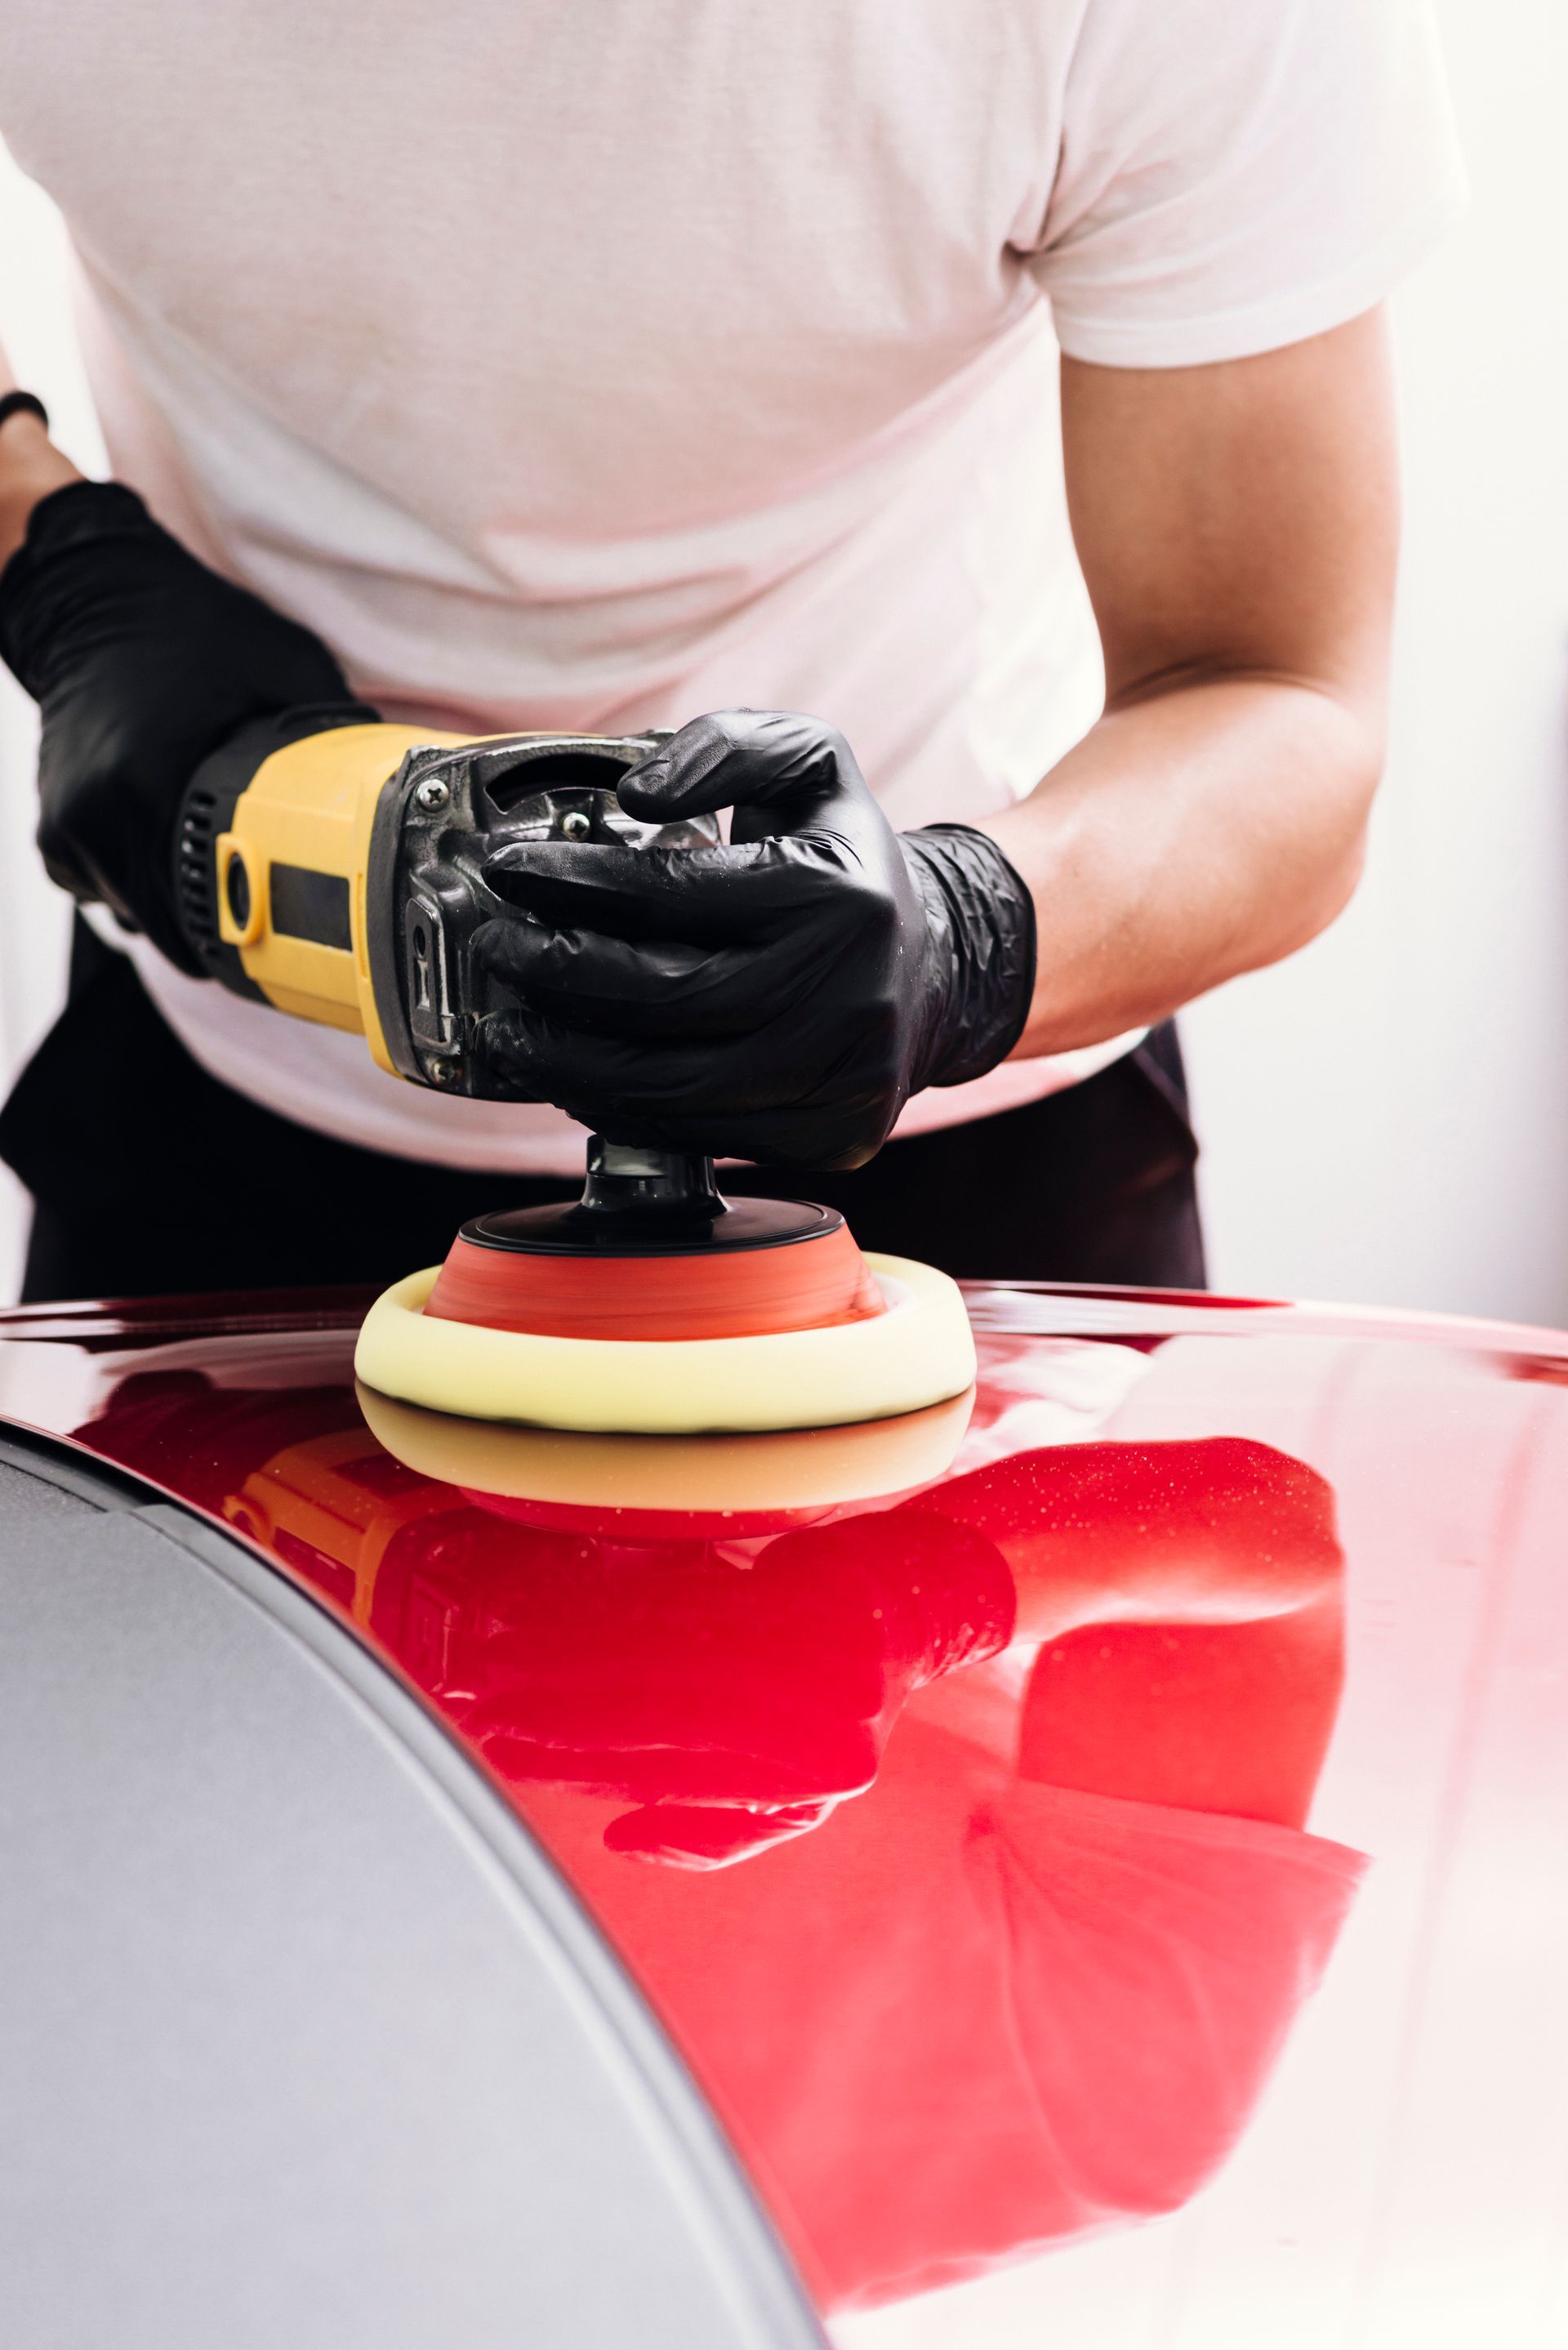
[336, 870]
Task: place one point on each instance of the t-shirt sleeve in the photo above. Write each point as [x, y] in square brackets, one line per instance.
[1235, 175]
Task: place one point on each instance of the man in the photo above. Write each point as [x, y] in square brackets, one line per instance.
[610, 370]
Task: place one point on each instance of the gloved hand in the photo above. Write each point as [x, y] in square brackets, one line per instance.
[779, 998]
[143, 661]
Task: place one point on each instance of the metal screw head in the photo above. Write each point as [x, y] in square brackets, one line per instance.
[576, 825]
[443, 1072]
[431, 795]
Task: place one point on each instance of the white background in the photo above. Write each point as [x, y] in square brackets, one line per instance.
[1385, 1117]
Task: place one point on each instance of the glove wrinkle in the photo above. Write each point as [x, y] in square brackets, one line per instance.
[982, 949]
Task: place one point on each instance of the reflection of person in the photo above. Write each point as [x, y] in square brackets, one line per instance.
[1065, 1937]
[732, 1701]
[562, 411]
[1030, 1980]
[735, 1707]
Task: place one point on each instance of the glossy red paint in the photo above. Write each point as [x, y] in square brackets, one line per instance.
[1167, 1801]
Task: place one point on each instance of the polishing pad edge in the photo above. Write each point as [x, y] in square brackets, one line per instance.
[920, 1352]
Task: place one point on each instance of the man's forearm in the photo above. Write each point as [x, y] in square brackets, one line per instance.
[1203, 830]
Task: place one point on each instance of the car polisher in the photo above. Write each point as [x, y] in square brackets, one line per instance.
[335, 870]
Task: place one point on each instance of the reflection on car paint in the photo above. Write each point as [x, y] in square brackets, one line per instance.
[1048, 1983]
[980, 1952]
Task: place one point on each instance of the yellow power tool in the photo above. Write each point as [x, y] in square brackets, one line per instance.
[336, 870]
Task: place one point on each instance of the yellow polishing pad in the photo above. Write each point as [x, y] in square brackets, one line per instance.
[918, 1353]
[781, 1469]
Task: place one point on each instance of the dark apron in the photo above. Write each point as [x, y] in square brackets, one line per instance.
[150, 1177]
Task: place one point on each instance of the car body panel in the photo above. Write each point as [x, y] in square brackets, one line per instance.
[1120, 1886]
[304, 2040]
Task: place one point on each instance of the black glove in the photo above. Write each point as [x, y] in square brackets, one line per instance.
[777, 999]
[143, 661]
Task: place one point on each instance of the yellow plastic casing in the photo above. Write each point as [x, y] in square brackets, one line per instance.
[311, 805]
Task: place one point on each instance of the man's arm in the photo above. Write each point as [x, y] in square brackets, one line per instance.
[1238, 528]
[142, 661]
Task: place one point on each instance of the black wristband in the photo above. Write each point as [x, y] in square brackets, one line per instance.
[23, 403]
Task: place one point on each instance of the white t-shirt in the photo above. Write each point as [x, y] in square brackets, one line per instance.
[597, 365]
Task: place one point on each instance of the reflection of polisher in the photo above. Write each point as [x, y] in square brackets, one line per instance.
[731, 1486]
[323, 1503]
[336, 873]
[562, 1640]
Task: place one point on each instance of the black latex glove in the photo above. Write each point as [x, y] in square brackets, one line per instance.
[143, 661]
[778, 999]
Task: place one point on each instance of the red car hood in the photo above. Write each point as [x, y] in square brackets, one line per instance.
[1141, 1808]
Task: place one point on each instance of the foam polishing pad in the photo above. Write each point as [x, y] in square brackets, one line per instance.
[696, 1293]
[723, 1485]
[916, 1352]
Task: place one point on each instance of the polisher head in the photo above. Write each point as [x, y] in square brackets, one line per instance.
[654, 1306]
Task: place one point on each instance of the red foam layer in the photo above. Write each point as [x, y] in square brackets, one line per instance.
[722, 1294]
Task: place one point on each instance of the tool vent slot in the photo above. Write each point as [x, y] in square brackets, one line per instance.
[194, 880]
[308, 905]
